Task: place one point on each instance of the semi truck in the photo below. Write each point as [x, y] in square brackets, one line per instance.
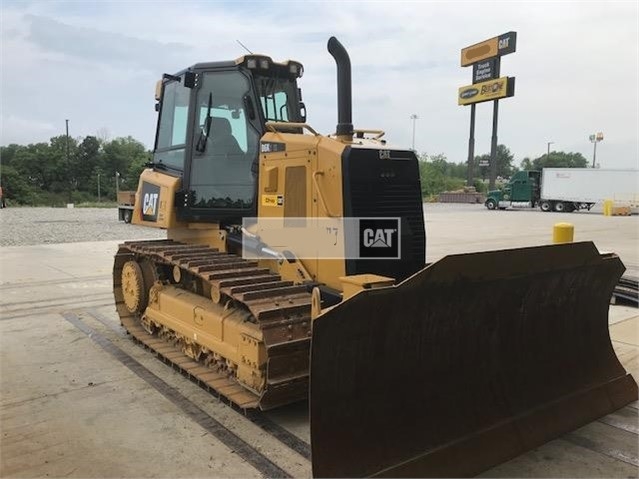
[566, 189]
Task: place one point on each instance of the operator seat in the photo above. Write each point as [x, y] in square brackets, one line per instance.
[224, 170]
[222, 141]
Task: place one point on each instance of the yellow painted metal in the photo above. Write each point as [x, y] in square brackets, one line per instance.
[563, 233]
[132, 286]
[607, 207]
[358, 282]
[168, 185]
[321, 157]
[208, 234]
[225, 331]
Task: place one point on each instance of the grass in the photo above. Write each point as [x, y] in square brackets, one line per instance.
[96, 204]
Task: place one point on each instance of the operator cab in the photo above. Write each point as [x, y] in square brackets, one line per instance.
[211, 118]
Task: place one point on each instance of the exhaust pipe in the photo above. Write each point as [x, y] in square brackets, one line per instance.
[344, 100]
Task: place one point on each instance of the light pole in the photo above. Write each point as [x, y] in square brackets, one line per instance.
[117, 185]
[414, 117]
[99, 188]
[594, 139]
[68, 162]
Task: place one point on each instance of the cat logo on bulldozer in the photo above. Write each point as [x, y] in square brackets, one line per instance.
[150, 197]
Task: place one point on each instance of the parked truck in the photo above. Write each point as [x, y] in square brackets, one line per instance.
[126, 202]
[566, 189]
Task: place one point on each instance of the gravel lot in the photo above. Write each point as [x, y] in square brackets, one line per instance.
[31, 226]
[450, 228]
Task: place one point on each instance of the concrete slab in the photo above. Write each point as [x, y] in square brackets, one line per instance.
[626, 331]
[69, 407]
[68, 410]
[455, 228]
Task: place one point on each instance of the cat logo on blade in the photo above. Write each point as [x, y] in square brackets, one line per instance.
[379, 238]
[150, 201]
[272, 200]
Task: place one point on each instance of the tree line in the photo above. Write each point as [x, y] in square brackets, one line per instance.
[69, 170]
[438, 174]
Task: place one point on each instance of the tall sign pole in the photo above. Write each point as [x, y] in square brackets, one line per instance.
[485, 58]
[493, 138]
[471, 147]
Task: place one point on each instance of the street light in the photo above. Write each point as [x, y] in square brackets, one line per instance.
[414, 117]
[594, 139]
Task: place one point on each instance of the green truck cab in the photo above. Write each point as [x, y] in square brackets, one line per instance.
[523, 187]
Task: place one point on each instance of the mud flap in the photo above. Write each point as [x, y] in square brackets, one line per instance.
[468, 363]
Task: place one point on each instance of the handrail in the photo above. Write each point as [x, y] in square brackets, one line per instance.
[321, 197]
[378, 133]
[274, 125]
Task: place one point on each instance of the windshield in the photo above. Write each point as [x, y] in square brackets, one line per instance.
[225, 143]
[278, 97]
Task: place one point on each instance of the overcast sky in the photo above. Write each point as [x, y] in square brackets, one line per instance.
[96, 63]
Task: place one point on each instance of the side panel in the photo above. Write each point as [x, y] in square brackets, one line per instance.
[588, 185]
[155, 200]
[294, 171]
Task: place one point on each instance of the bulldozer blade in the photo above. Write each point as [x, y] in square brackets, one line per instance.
[466, 364]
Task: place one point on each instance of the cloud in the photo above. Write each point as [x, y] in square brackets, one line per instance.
[24, 130]
[94, 46]
[576, 66]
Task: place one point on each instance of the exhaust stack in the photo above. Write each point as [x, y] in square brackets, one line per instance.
[344, 99]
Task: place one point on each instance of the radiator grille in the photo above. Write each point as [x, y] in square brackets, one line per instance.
[375, 187]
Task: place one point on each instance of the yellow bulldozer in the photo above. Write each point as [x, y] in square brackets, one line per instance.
[294, 267]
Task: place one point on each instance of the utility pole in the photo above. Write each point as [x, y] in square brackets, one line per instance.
[99, 187]
[548, 153]
[414, 117]
[68, 160]
[117, 185]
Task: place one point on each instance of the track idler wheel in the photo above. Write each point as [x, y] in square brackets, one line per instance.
[134, 288]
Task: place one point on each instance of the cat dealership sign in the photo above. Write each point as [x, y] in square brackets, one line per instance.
[488, 85]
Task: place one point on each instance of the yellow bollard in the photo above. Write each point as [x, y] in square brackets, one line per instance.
[563, 233]
[607, 207]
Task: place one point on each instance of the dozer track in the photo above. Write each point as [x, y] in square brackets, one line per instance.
[279, 308]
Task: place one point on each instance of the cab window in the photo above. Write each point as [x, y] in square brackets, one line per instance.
[224, 144]
[171, 137]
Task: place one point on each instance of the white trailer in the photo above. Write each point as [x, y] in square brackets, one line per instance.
[569, 189]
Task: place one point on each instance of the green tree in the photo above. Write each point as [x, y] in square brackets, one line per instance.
[436, 174]
[556, 159]
[43, 173]
[87, 164]
[504, 159]
[125, 156]
[16, 187]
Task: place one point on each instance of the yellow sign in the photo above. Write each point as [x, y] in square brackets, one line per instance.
[272, 200]
[478, 52]
[497, 46]
[485, 91]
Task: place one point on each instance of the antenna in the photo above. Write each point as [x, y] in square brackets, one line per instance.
[244, 47]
